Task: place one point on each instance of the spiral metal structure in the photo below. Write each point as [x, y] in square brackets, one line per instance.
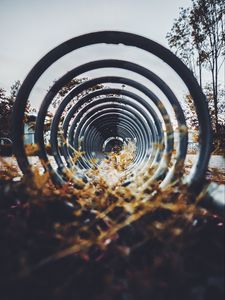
[99, 115]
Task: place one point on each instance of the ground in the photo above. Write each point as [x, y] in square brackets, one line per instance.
[97, 243]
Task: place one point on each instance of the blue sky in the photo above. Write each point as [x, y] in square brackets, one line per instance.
[30, 28]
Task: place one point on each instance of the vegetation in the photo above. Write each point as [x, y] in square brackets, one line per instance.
[107, 241]
[198, 38]
[6, 104]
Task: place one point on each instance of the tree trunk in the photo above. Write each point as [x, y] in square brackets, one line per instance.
[216, 94]
[200, 74]
[215, 100]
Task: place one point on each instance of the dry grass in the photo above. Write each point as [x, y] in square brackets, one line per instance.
[107, 240]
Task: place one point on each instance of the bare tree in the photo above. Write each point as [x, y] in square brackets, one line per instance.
[182, 38]
[207, 18]
[198, 36]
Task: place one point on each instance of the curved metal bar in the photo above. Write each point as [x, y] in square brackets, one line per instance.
[93, 115]
[124, 127]
[94, 82]
[150, 123]
[113, 37]
[152, 77]
[153, 118]
[152, 130]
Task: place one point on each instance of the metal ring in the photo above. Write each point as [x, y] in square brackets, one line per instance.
[127, 39]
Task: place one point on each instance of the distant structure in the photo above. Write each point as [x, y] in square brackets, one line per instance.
[29, 129]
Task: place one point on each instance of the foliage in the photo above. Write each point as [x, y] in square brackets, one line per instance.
[6, 107]
[218, 134]
[179, 39]
[112, 243]
[198, 36]
[70, 86]
[6, 104]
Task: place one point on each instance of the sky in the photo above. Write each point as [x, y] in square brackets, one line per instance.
[31, 28]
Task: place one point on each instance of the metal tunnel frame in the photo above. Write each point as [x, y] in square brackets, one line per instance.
[138, 111]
